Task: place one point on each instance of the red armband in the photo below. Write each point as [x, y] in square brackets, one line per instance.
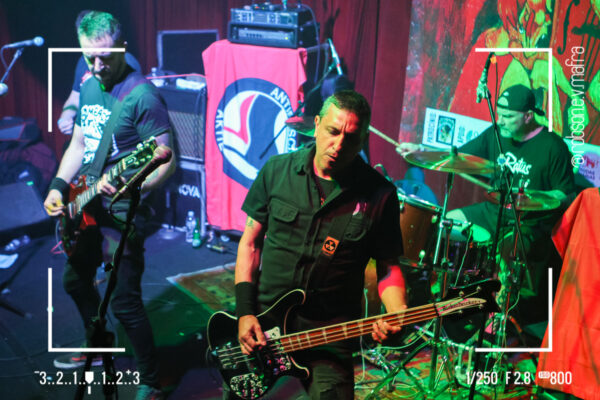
[393, 278]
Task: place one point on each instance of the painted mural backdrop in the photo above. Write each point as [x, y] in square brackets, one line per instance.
[443, 67]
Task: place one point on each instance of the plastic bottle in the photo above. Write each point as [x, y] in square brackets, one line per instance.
[158, 82]
[190, 225]
[196, 239]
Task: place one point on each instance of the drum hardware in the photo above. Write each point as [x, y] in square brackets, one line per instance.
[451, 162]
[439, 266]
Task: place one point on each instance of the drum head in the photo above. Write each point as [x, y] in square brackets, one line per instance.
[417, 202]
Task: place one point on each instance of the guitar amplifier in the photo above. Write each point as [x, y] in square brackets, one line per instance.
[272, 25]
[186, 110]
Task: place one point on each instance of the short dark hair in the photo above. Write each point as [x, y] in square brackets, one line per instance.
[80, 16]
[351, 101]
[97, 24]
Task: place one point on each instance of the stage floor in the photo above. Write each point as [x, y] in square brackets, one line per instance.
[178, 314]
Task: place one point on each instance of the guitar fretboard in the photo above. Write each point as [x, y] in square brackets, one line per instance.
[348, 330]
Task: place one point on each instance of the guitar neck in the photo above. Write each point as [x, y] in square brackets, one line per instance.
[84, 198]
[347, 330]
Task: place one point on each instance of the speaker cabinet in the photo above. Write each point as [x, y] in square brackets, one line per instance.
[187, 109]
[186, 189]
[22, 211]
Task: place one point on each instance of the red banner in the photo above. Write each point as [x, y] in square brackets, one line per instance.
[252, 90]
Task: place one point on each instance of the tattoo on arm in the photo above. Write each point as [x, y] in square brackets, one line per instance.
[249, 222]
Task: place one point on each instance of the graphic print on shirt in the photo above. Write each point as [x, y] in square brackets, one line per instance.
[93, 120]
[519, 167]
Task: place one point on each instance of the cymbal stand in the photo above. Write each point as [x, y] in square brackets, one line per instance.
[437, 344]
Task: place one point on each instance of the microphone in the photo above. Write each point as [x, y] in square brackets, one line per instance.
[336, 58]
[482, 85]
[162, 154]
[3, 89]
[36, 41]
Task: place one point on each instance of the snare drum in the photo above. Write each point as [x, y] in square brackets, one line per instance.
[418, 224]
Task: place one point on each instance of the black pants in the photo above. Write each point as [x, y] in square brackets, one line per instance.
[96, 245]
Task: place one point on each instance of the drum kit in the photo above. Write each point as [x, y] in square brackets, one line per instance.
[453, 251]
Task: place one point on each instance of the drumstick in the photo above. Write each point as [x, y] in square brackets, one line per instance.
[467, 177]
[476, 181]
[383, 136]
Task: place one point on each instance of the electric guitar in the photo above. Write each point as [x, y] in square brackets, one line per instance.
[251, 376]
[74, 220]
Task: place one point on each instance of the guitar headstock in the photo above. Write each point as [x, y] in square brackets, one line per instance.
[142, 154]
[475, 297]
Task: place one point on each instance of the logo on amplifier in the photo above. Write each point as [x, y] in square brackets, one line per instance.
[189, 191]
[250, 127]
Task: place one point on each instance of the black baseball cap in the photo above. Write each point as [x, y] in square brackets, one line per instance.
[519, 98]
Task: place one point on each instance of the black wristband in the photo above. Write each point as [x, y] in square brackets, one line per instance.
[245, 299]
[58, 184]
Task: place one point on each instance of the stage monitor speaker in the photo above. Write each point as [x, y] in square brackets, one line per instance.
[186, 112]
[22, 211]
[180, 51]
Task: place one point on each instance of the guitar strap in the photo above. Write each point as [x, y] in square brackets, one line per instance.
[95, 170]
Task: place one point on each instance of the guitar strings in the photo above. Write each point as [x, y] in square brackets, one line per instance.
[235, 353]
[360, 327]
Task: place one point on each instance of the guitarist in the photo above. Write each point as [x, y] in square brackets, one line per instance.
[141, 115]
[315, 217]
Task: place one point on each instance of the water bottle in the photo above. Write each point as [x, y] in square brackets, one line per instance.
[196, 239]
[190, 225]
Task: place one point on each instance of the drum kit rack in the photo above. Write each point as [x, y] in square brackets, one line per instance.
[461, 250]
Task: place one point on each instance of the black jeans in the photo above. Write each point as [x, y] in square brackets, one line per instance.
[96, 245]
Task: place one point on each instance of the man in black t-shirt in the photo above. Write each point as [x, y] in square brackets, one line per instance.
[315, 217]
[66, 120]
[139, 113]
[537, 159]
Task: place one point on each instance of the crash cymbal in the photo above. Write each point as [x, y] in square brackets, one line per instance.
[447, 161]
[529, 200]
[304, 124]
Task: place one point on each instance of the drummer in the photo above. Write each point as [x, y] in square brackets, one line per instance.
[538, 160]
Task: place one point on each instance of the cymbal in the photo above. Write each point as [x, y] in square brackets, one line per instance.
[304, 124]
[446, 161]
[530, 200]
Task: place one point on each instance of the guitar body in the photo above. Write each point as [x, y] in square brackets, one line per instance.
[70, 227]
[250, 377]
[75, 219]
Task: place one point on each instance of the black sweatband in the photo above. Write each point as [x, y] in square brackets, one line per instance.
[245, 299]
[59, 184]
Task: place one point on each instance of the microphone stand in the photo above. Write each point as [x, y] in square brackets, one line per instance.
[505, 188]
[12, 63]
[299, 111]
[97, 334]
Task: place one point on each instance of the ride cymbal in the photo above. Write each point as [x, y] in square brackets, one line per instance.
[529, 200]
[448, 161]
[302, 124]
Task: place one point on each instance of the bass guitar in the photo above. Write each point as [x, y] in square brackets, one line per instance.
[74, 220]
[251, 376]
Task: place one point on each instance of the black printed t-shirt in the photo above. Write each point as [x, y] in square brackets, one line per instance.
[143, 115]
[285, 199]
[540, 163]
